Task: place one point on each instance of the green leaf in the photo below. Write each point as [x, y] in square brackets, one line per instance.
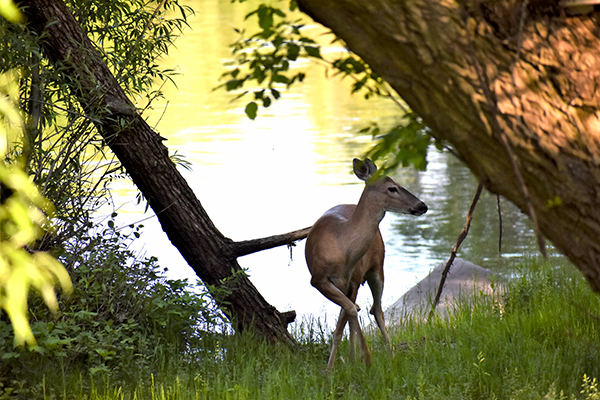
[365, 130]
[357, 65]
[280, 78]
[251, 109]
[265, 17]
[259, 95]
[234, 84]
[11, 12]
[11, 354]
[313, 51]
[359, 85]
[293, 51]
[277, 42]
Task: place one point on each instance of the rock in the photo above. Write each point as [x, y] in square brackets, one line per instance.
[463, 279]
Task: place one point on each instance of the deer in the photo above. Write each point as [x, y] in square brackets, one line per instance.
[344, 249]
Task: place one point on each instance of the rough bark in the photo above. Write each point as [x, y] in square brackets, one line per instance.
[146, 160]
[482, 71]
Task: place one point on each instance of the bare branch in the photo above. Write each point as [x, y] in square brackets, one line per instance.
[463, 234]
[246, 247]
[499, 227]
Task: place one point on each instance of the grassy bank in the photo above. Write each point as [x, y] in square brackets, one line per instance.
[541, 341]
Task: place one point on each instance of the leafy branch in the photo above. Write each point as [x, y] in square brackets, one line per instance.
[405, 144]
[264, 59]
[263, 65]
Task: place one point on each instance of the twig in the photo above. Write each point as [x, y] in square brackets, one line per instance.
[521, 29]
[500, 227]
[459, 240]
[139, 38]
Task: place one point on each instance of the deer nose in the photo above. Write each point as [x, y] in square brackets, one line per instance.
[420, 209]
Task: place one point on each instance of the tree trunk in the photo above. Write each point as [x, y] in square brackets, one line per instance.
[512, 85]
[146, 160]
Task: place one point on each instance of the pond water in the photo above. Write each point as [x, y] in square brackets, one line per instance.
[281, 171]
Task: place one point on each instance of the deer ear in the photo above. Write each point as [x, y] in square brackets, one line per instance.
[372, 166]
[364, 170]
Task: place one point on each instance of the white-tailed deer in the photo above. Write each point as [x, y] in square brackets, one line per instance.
[344, 249]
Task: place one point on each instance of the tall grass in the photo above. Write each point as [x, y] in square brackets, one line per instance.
[539, 340]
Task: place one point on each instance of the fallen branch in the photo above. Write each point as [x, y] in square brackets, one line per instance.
[246, 247]
[459, 240]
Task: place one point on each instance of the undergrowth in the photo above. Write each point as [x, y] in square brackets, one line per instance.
[123, 321]
[538, 339]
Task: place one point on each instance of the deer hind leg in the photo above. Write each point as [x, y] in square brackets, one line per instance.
[349, 314]
[352, 293]
[355, 329]
[355, 326]
[375, 282]
[337, 338]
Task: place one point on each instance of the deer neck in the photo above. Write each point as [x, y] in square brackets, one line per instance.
[362, 226]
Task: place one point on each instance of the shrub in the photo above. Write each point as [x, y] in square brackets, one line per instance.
[123, 320]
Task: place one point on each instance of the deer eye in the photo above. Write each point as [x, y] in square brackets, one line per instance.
[393, 189]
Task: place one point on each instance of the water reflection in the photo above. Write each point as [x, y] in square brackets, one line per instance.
[448, 188]
[283, 170]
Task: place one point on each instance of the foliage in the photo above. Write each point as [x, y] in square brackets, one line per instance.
[265, 61]
[64, 154]
[266, 58]
[404, 144]
[10, 11]
[23, 218]
[133, 36]
[123, 321]
[58, 147]
[123, 316]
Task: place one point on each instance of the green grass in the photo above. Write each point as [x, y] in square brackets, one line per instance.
[540, 341]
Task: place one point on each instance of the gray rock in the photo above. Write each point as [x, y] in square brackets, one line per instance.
[464, 279]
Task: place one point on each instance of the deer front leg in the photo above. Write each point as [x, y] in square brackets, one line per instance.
[375, 282]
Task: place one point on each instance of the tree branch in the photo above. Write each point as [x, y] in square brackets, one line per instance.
[242, 248]
[463, 234]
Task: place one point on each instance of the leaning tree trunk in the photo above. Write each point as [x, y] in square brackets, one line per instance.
[146, 160]
[512, 85]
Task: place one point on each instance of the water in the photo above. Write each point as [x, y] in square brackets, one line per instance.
[280, 172]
